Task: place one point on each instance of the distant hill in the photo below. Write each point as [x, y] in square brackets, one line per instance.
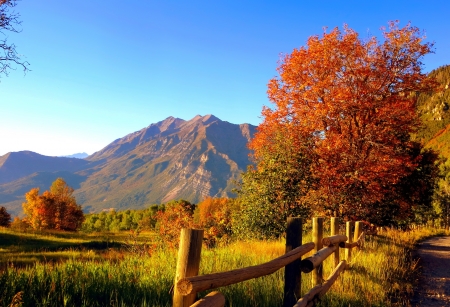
[80, 155]
[168, 160]
[434, 111]
[15, 165]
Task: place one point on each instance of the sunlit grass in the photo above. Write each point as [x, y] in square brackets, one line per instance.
[381, 274]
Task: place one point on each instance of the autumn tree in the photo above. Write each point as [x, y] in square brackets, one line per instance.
[9, 21]
[356, 100]
[176, 215]
[5, 217]
[214, 216]
[54, 209]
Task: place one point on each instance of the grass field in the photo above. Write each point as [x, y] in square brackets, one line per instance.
[113, 269]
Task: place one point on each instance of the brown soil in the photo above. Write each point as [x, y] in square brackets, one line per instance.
[434, 281]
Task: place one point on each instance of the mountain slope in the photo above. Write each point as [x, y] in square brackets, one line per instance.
[12, 193]
[15, 165]
[168, 160]
[434, 111]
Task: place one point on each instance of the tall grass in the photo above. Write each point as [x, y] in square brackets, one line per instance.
[380, 275]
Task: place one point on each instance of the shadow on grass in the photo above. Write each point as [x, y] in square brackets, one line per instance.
[18, 243]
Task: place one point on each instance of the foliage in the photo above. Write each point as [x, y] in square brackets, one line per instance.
[19, 224]
[112, 220]
[442, 195]
[178, 214]
[276, 188]
[434, 111]
[5, 217]
[54, 209]
[356, 100]
[9, 21]
[411, 199]
[214, 216]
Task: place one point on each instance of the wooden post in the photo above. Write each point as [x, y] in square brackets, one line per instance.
[348, 251]
[317, 234]
[292, 273]
[188, 263]
[335, 231]
[358, 231]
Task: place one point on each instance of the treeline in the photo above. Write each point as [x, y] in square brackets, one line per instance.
[214, 215]
[111, 220]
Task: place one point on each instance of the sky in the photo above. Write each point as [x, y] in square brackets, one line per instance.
[103, 69]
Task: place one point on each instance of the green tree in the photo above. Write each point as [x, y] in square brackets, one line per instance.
[276, 188]
[442, 195]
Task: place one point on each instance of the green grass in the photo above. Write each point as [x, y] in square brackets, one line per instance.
[381, 274]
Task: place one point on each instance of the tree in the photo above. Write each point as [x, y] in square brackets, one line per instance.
[356, 100]
[411, 199]
[9, 21]
[54, 209]
[177, 214]
[442, 194]
[277, 187]
[5, 217]
[214, 216]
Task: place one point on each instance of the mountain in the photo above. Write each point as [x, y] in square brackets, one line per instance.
[15, 165]
[168, 160]
[434, 112]
[80, 155]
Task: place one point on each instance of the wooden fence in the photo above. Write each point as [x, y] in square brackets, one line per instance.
[188, 284]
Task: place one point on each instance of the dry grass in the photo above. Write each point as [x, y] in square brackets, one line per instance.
[380, 275]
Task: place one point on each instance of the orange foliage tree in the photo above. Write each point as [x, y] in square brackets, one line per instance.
[54, 209]
[176, 215]
[354, 101]
[214, 216]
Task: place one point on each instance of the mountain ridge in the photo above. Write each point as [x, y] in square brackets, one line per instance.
[170, 159]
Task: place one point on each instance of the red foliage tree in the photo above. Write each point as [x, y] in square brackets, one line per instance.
[354, 100]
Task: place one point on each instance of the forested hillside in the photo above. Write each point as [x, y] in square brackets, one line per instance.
[434, 111]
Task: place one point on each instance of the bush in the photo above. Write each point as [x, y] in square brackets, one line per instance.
[177, 215]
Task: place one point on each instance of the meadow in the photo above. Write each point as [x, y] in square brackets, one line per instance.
[126, 269]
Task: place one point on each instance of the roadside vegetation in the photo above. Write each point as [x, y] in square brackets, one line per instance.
[129, 269]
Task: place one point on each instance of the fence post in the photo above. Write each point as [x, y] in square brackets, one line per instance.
[335, 231]
[188, 263]
[358, 231]
[348, 233]
[292, 273]
[317, 234]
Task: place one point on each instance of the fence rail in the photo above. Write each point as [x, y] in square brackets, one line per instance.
[188, 284]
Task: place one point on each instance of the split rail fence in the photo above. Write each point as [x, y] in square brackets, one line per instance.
[188, 284]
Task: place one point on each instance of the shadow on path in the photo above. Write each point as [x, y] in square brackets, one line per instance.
[434, 280]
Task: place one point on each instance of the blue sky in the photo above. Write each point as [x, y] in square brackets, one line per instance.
[103, 69]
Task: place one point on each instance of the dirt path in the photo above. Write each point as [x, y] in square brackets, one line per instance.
[434, 282]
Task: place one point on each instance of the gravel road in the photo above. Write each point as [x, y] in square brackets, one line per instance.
[434, 282]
